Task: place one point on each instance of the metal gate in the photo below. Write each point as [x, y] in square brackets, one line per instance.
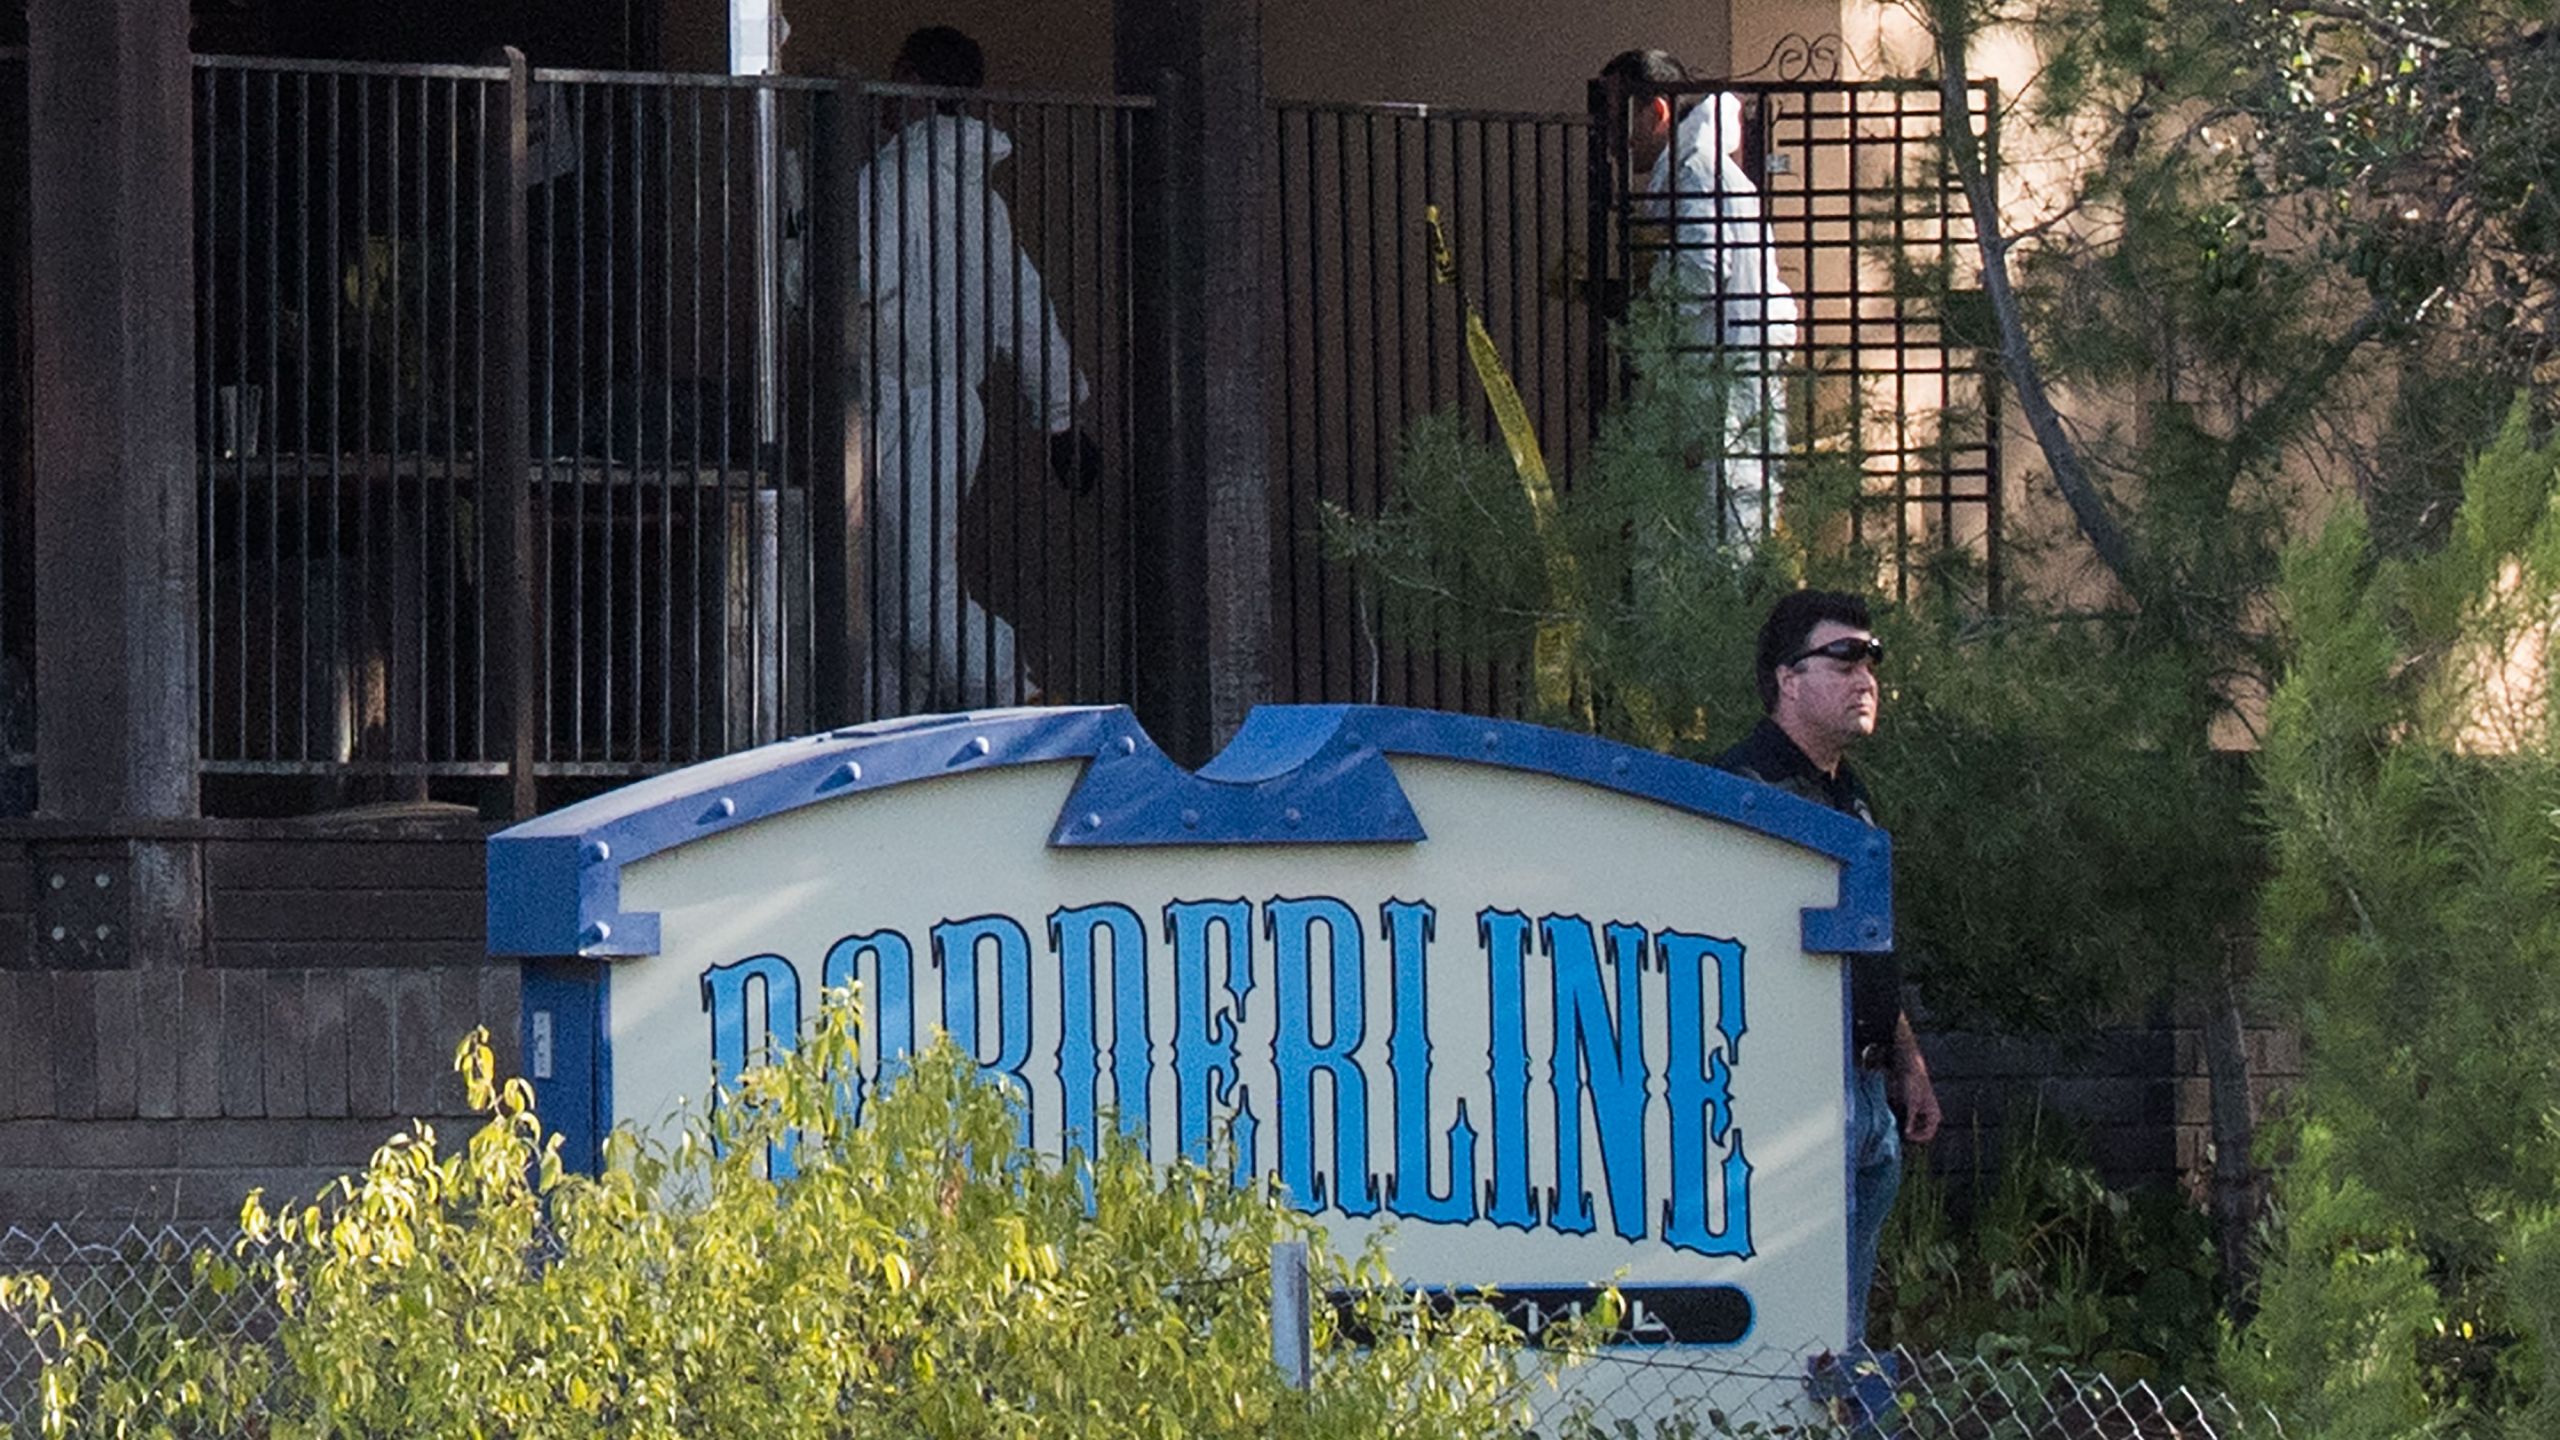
[1550, 237]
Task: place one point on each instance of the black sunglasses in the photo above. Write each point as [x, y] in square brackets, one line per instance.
[1848, 650]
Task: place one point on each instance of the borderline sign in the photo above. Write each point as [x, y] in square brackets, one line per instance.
[1548, 1011]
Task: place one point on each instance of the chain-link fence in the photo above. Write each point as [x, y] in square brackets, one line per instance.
[1629, 1392]
[1635, 1392]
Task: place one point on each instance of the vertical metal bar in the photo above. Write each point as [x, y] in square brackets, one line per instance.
[694, 488]
[208, 113]
[835, 501]
[666, 429]
[1607, 113]
[1062, 683]
[343, 655]
[506, 463]
[609, 459]
[271, 396]
[422, 688]
[1291, 689]
[308, 545]
[557, 118]
[997, 691]
[240, 509]
[1381, 222]
[450, 548]
[721, 500]
[581, 298]
[1318, 332]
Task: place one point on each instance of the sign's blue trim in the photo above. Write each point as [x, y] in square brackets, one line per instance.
[1294, 775]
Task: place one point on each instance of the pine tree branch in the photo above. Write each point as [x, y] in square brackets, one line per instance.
[2018, 362]
[2387, 28]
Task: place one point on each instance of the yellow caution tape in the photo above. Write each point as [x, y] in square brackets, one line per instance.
[1551, 656]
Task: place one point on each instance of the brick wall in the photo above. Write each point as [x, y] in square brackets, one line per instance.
[338, 973]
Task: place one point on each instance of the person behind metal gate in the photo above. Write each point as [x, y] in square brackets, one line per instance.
[1722, 271]
[948, 290]
[1816, 667]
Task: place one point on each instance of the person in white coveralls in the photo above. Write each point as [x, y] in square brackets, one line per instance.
[1722, 267]
[948, 290]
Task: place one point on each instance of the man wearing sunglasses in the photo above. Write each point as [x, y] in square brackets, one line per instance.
[1816, 665]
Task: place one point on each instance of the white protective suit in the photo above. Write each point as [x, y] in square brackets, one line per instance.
[1724, 264]
[947, 289]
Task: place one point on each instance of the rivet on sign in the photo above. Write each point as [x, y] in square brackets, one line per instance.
[599, 932]
[980, 745]
[1291, 815]
[1092, 821]
[721, 809]
[1491, 740]
[1618, 766]
[59, 932]
[852, 770]
[1128, 745]
[57, 882]
[1190, 819]
[103, 882]
[105, 930]
[598, 852]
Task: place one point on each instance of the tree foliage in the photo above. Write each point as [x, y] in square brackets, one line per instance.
[2413, 923]
[921, 1275]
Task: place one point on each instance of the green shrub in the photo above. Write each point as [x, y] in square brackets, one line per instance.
[2413, 921]
[922, 1275]
[2049, 1264]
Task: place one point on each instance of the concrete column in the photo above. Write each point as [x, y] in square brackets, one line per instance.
[112, 312]
[1204, 481]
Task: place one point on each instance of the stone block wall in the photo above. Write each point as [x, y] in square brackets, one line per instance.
[2136, 1098]
[321, 1017]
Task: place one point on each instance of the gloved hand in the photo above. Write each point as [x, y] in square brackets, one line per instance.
[1075, 461]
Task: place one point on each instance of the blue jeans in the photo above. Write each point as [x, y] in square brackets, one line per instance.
[1875, 1173]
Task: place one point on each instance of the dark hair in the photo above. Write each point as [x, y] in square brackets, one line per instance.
[1646, 67]
[941, 55]
[1645, 74]
[1790, 622]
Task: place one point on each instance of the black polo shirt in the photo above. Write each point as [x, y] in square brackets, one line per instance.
[1768, 756]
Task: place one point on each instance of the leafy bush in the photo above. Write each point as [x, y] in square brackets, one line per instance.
[2048, 1264]
[2413, 921]
[922, 1275]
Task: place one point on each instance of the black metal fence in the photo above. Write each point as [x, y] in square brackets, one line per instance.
[718, 282]
[1790, 246]
[1819, 248]
[580, 504]
[1369, 342]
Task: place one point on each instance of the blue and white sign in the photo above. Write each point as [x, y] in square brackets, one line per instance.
[1555, 1010]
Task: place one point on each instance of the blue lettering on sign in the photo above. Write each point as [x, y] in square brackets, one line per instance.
[1204, 1031]
[1506, 953]
[776, 1026]
[1701, 1096]
[956, 945]
[1591, 1016]
[1291, 927]
[890, 980]
[1408, 929]
[1071, 938]
[1606, 1050]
